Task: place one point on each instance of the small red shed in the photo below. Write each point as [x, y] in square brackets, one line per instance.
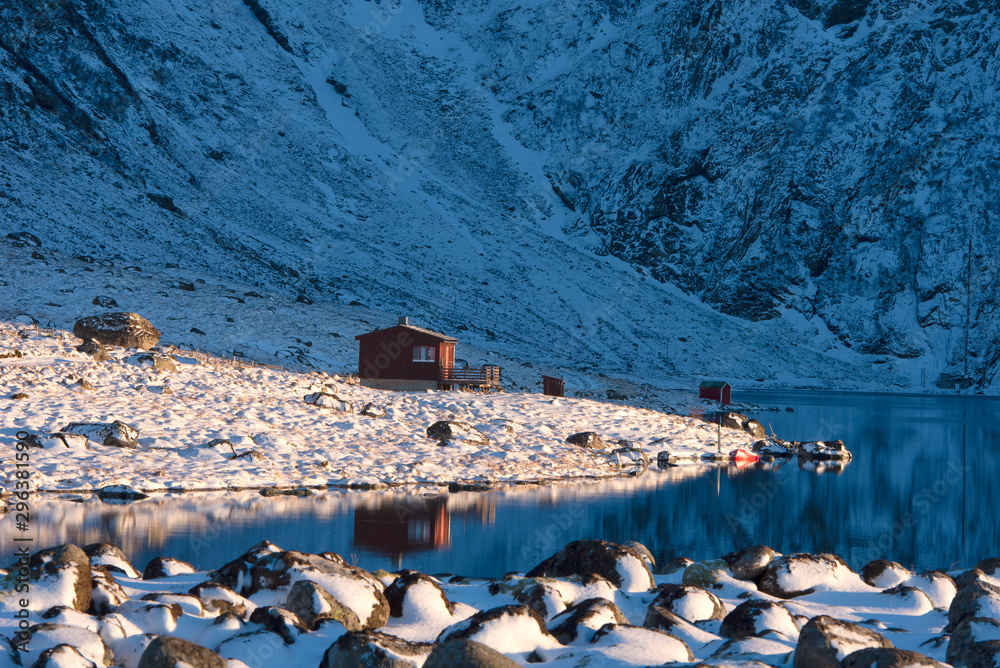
[719, 390]
[552, 386]
[404, 357]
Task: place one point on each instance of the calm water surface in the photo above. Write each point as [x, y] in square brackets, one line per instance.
[921, 490]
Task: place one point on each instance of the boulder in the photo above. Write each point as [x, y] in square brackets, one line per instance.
[105, 593]
[517, 628]
[235, 575]
[280, 622]
[104, 301]
[643, 550]
[374, 650]
[755, 429]
[775, 447]
[151, 616]
[447, 432]
[990, 566]
[755, 617]
[219, 599]
[621, 565]
[63, 656]
[824, 450]
[938, 586]
[189, 604]
[768, 651]
[663, 646]
[170, 652]
[541, 596]
[356, 588]
[799, 574]
[373, 410]
[888, 657]
[467, 654]
[908, 600]
[675, 564]
[397, 593]
[693, 604]
[128, 330]
[727, 419]
[984, 654]
[165, 567]
[64, 569]
[969, 632]
[331, 401]
[116, 434]
[46, 636]
[313, 604]
[120, 493]
[979, 599]
[586, 439]
[592, 614]
[704, 573]
[824, 642]
[155, 362]
[749, 563]
[96, 350]
[884, 574]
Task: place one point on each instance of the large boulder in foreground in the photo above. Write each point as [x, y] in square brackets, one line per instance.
[970, 632]
[129, 330]
[468, 654]
[824, 642]
[621, 565]
[64, 570]
[978, 599]
[170, 652]
[883, 657]
[374, 650]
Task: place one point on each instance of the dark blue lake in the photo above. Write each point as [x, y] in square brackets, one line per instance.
[922, 490]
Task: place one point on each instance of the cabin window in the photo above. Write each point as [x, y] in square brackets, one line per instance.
[423, 353]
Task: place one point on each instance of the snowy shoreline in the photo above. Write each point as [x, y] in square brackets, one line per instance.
[591, 603]
[171, 420]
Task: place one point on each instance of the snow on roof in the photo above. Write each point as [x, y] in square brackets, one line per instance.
[421, 330]
[713, 383]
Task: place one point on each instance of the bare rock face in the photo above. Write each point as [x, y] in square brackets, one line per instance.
[129, 330]
[824, 642]
[169, 652]
[623, 566]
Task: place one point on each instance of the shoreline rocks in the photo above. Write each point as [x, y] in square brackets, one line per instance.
[591, 602]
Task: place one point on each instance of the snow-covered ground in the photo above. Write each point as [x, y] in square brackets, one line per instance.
[278, 439]
[591, 604]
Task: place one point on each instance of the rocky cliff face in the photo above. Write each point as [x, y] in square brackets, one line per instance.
[822, 171]
[832, 159]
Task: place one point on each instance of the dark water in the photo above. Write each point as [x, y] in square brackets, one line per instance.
[921, 490]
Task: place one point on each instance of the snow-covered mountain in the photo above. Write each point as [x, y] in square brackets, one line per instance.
[769, 191]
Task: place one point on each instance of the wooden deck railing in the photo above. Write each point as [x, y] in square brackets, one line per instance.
[486, 376]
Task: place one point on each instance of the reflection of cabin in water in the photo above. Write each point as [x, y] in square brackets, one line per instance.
[411, 358]
[398, 527]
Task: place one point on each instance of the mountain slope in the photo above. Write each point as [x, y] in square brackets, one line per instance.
[404, 156]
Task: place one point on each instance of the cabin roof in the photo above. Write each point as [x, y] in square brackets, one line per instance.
[713, 384]
[411, 328]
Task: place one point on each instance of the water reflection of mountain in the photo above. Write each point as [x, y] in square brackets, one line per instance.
[919, 491]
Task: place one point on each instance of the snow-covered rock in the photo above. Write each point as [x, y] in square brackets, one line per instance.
[824, 642]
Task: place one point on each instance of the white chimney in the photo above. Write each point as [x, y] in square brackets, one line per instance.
[404, 320]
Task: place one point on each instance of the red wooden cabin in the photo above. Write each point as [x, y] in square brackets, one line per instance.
[719, 390]
[411, 358]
